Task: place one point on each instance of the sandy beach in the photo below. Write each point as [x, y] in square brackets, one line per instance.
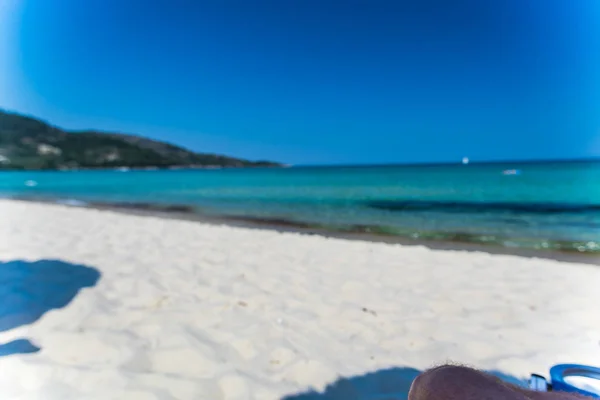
[171, 309]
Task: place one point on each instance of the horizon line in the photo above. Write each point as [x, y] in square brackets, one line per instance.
[455, 163]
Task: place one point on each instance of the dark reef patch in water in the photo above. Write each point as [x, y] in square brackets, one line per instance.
[481, 207]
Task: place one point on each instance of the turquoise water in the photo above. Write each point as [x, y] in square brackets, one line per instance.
[554, 205]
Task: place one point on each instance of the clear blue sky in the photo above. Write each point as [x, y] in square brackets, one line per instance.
[315, 81]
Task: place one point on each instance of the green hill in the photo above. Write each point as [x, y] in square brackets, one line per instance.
[29, 143]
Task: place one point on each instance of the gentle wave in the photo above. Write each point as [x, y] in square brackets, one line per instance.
[72, 202]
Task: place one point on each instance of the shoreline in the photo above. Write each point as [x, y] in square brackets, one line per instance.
[189, 213]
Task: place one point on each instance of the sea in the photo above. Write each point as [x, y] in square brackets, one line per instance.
[516, 205]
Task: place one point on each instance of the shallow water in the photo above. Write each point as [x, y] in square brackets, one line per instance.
[552, 205]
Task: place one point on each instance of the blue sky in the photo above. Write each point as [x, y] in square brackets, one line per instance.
[315, 81]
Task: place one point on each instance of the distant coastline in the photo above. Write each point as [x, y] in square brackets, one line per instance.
[28, 143]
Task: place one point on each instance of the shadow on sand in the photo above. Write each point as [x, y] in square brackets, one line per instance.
[29, 289]
[385, 384]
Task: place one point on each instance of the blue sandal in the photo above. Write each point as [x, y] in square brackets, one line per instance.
[557, 383]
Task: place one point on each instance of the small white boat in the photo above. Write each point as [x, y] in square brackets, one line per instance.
[465, 160]
[511, 172]
[31, 183]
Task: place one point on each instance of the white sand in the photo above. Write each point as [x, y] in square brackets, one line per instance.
[185, 310]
